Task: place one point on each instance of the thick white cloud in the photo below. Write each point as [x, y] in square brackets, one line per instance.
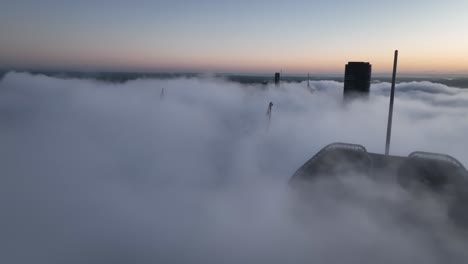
[108, 173]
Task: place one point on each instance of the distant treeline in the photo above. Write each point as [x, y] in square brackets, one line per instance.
[115, 77]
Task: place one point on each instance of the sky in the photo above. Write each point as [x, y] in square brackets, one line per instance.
[254, 36]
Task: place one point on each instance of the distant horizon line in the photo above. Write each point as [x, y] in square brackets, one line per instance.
[247, 73]
[222, 72]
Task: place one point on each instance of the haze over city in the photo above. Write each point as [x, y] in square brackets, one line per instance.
[234, 36]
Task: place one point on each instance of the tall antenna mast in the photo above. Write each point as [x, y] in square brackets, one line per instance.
[390, 110]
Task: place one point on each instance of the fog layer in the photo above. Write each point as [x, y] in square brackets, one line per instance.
[94, 172]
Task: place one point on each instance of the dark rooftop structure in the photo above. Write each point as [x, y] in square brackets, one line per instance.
[357, 79]
[437, 173]
[432, 169]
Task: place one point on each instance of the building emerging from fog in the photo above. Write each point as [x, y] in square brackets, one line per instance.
[277, 78]
[357, 79]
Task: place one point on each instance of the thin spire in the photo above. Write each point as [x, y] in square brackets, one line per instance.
[390, 110]
[268, 113]
[161, 96]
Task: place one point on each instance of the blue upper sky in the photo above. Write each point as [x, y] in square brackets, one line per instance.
[234, 36]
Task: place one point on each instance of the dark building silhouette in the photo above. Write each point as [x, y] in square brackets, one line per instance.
[357, 79]
[277, 78]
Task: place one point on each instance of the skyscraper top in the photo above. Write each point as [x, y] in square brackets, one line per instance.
[357, 79]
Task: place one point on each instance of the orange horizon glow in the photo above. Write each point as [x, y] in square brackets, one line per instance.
[293, 64]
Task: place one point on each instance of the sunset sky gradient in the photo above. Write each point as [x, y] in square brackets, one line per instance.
[239, 36]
